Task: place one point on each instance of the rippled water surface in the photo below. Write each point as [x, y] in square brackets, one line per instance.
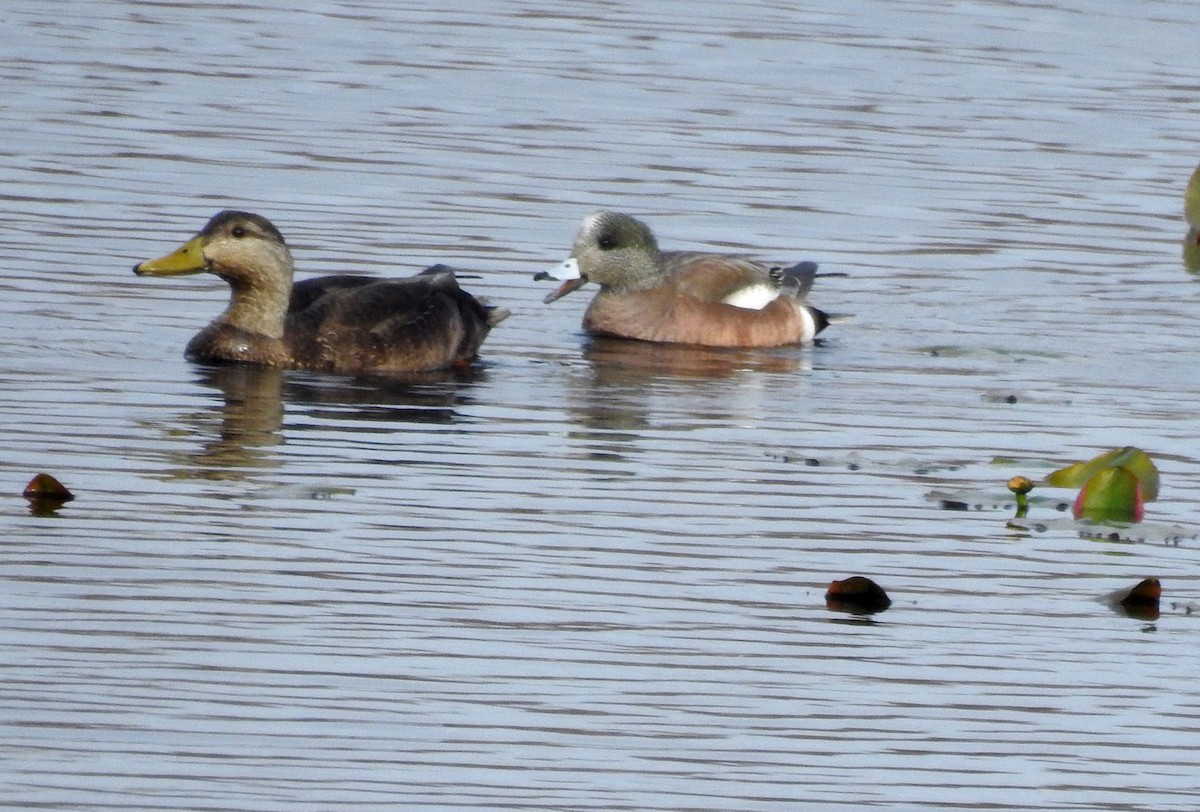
[590, 575]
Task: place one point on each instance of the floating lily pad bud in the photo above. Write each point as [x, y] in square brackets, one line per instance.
[1141, 602]
[857, 595]
[46, 495]
[44, 486]
[1020, 486]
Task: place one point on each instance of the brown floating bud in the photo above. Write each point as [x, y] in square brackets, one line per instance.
[857, 595]
[47, 488]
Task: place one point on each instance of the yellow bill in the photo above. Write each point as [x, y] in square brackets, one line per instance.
[188, 258]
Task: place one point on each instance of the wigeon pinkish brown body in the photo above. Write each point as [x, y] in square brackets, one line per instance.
[684, 297]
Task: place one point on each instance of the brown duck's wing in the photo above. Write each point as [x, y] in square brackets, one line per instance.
[712, 277]
[361, 324]
[309, 291]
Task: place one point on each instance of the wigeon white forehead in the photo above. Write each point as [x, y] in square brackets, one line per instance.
[593, 221]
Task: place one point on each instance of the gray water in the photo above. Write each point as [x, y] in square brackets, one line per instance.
[590, 575]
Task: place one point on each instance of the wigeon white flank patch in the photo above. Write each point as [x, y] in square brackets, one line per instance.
[753, 297]
[567, 269]
[810, 325]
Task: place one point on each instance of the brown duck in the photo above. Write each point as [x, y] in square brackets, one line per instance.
[345, 324]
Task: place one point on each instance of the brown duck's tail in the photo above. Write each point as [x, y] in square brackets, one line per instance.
[448, 276]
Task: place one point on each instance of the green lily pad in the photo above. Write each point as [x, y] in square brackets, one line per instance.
[1133, 460]
[1191, 251]
[1191, 200]
[1112, 494]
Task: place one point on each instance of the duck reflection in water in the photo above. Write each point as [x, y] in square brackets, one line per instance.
[245, 424]
[239, 430]
[612, 402]
[631, 361]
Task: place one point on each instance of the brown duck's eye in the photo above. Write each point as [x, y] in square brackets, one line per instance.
[238, 231]
[607, 242]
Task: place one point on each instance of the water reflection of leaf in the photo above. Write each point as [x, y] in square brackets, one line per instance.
[855, 461]
[1109, 533]
[987, 353]
[987, 499]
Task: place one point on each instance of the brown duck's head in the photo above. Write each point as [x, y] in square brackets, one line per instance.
[235, 245]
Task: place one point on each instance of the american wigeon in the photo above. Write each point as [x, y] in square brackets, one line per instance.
[345, 324]
[684, 297]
